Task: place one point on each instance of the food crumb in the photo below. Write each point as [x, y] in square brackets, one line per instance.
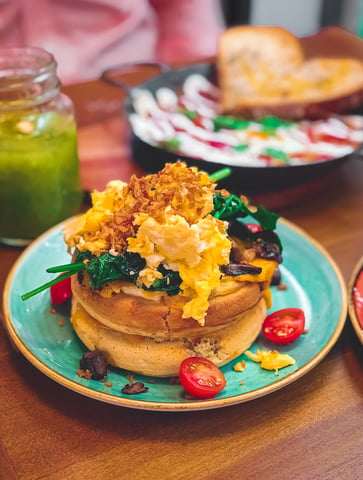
[281, 286]
[150, 380]
[60, 321]
[241, 383]
[52, 311]
[130, 378]
[240, 366]
[108, 384]
[84, 374]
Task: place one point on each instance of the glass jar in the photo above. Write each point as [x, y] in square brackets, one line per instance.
[39, 167]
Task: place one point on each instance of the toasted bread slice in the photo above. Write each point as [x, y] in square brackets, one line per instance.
[263, 70]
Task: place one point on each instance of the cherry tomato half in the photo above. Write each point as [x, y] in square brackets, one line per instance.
[61, 291]
[284, 326]
[200, 377]
[254, 227]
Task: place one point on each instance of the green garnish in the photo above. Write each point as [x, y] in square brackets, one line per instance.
[230, 122]
[220, 174]
[276, 153]
[106, 268]
[274, 122]
[271, 124]
[240, 148]
[190, 114]
[45, 286]
[172, 143]
[170, 282]
[233, 207]
[69, 267]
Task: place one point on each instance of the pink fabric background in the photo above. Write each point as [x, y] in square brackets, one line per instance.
[87, 36]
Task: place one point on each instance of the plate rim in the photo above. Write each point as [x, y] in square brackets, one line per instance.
[192, 405]
[351, 306]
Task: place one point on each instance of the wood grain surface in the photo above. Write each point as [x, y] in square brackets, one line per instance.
[312, 429]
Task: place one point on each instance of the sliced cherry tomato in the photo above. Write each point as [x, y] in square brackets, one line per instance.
[254, 227]
[200, 377]
[284, 326]
[61, 291]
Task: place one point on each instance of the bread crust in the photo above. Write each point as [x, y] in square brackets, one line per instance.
[139, 316]
[271, 44]
[263, 70]
[155, 357]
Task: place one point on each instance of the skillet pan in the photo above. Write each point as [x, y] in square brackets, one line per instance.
[249, 179]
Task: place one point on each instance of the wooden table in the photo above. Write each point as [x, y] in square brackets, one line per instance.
[312, 429]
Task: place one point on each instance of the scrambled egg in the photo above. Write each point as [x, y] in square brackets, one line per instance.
[239, 366]
[271, 360]
[104, 205]
[199, 250]
[164, 217]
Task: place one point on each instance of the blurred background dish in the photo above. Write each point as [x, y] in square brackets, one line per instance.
[355, 305]
[175, 116]
[272, 169]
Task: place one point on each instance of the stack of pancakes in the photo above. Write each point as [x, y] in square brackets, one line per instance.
[151, 337]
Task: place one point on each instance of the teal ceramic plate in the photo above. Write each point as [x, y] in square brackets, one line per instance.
[314, 284]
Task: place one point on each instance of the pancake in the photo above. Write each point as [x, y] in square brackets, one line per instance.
[161, 276]
[163, 317]
[162, 357]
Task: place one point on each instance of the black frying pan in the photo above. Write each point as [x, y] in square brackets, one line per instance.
[244, 179]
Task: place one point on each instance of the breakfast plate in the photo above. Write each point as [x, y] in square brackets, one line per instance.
[313, 282]
[355, 306]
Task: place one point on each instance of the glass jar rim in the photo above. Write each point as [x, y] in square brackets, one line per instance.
[26, 60]
[28, 77]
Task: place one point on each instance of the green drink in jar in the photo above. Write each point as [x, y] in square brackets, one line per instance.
[39, 167]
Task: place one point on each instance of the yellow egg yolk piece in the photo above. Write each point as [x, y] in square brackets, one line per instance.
[271, 360]
[196, 251]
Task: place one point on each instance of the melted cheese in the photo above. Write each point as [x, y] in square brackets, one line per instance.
[231, 284]
[314, 77]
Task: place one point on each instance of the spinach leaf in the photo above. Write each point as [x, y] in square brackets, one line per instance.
[170, 283]
[127, 267]
[227, 208]
[107, 267]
